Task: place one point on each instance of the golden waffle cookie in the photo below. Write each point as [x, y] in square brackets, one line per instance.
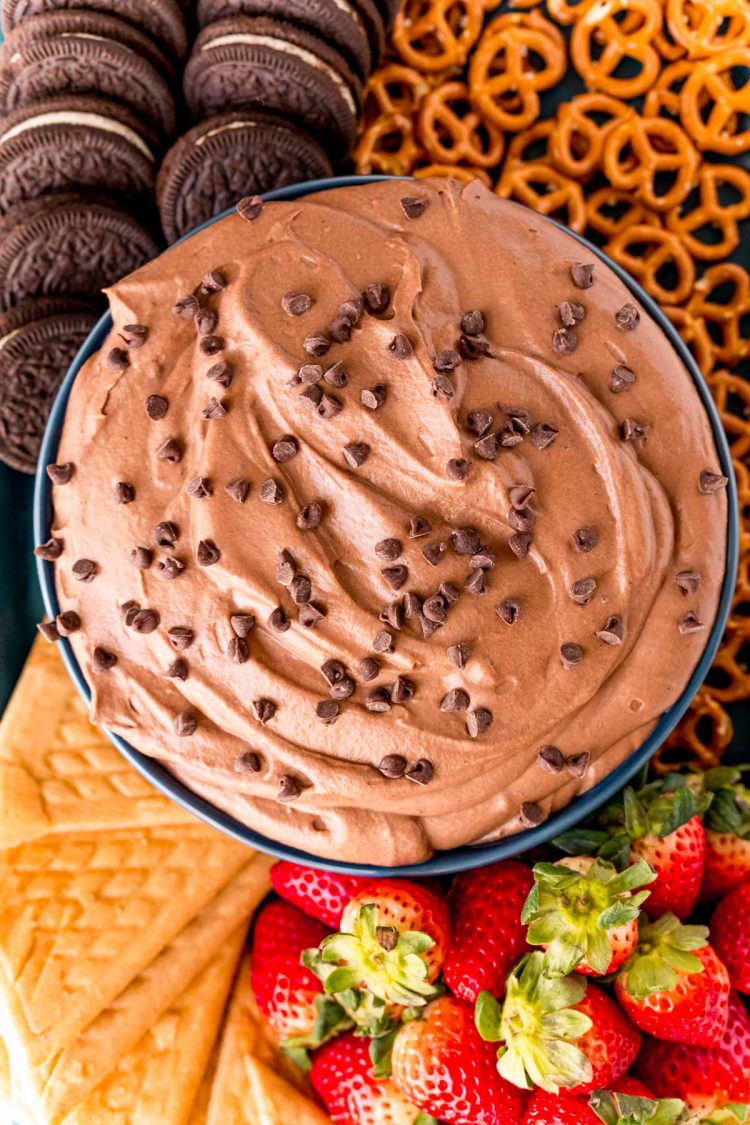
[57, 771]
[199, 1108]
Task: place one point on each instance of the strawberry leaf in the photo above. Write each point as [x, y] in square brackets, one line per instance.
[381, 1050]
[665, 949]
[425, 1119]
[330, 1020]
[623, 1109]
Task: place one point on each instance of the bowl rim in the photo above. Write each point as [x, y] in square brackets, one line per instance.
[470, 855]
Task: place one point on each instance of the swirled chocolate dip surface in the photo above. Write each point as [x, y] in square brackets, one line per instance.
[390, 575]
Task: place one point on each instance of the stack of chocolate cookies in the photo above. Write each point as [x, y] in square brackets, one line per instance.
[87, 110]
[274, 88]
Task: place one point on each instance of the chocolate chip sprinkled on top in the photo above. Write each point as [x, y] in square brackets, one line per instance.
[208, 553]
[457, 468]
[478, 721]
[690, 623]
[144, 621]
[171, 567]
[206, 321]
[395, 576]
[419, 526]
[170, 450]
[479, 421]
[442, 387]
[310, 517]
[221, 373]
[103, 660]
[621, 379]
[328, 406]
[473, 347]
[248, 762]
[632, 430]
[531, 815]
[134, 335]
[455, 700]
[378, 701]
[373, 397]
[472, 323]
[264, 710]
[123, 492]
[434, 608]
[627, 317]
[570, 313]
[85, 570]
[272, 492]
[565, 341]
[585, 539]
[550, 759]
[421, 773]
[286, 568]
[509, 610]
[465, 540]
[449, 592]
[402, 689]
[709, 482]
[50, 550]
[61, 474]
[214, 410]
[186, 307]
[250, 207]
[446, 361]
[180, 637]
[571, 655]
[316, 344]
[520, 544]
[543, 435]
[48, 629]
[211, 345]
[392, 766]
[310, 373]
[296, 304]
[521, 519]
[382, 642]
[156, 407]
[351, 309]
[583, 590]
[459, 655]
[200, 488]
[582, 274]
[377, 297]
[238, 650]
[278, 622]
[340, 330]
[238, 489]
[400, 346]
[289, 789]
[612, 631]
[476, 583]
[688, 581]
[414, 206]
[301, 589]
[328, 711]
[388, 549]
[356, 453]
[488, 447]
[343, 688]
[392, 615]
[213, 282]
[335, 375]
[118, 359]
[412, 605]
[368, 669]
[433, 553]
[67, 622]
[333, 671]
[310, 614]
[577, 764]
[242, 624]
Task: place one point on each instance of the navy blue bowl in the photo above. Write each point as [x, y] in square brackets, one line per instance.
[458, 859]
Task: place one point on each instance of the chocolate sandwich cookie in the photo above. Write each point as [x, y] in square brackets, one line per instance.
[71, 144]
[38, 341]
[266, 64]
[73, 56]
[162, 20]
[337, 22]
[68, 246]
[228, 157]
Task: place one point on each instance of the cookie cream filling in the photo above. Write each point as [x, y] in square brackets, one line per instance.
[82, 120]
[225, 128]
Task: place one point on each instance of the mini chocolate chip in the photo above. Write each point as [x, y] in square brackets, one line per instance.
[50, 550]
[630, 430]
[85, 570]
[310, 517]
[395, 576]
[289, 789]
[102, 660]
[473, 347]
[67, 622]
[510, 435]
[333, 671]
[488, 447]
[213, 282]
[301, 589]
[356, 453]
[186, 307]
[200, 488]
[582, 274]
[340, 330]
[621, 379]
[476, 583]
[177, 670]
[457, 468]
[48, 629]
[414, 206]
[449, 593]
[400, 346]
[433, 553]
[368, 669]
[550, 759]
[612, 632]
[521, 519]
[392, 615]
[211, 345]
[285, 449]
[582, 591]
[378, 701]
[455, 700]
[343, 688]
[446, 361]
[134, 335]
[296, 304]
[428, 627]
[208, 553]
[278, 622]
[627, 317]
[520, 544]
[543, 435]
[374, 397]
[465, 540]
[214, 410]
[238, 489]
[171, 567]
[242, 624]
[392, 766]
[419, 526]
[118, 359]
[221, 373]
[690, 623]
[272, 492]
[531, 815]
[61, 474]
[571, 312]
[478, 721]
[264, 710]
[388, 549]
[571, 655]
[128, 611]
[565, 341]
[688, 581]
[585, 539]
[170, 450]
[238, 650]
[309, 615]
[335, 375]
[328, 406]
[328, 711]
[377, 297]
[709, 482]
[402, 689]
[250, 207]
[286, 567]
[520, 494]
[351, 309]
[472, 323]
[206, 321]
[180, 637]
[412, 605]
[144, 621]
[316, 344]
[577, 764]
[509, 610]
[434, 609]
[382, 642]
[123, 493]
[442, 387]
[478, 422]
[248, 762]
[422, 772]
[459, 655]
[156, 407]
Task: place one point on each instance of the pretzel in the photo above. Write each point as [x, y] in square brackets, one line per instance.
[709, 213]
[640, 149]
[566, 12]
[731, 394]
[610, 210]
[664, 95]
[580, 131]
[726, 319]
[433, 35]
[742, 475]
[700, 739]
[729, 677]
[705, 27]
[711, 86]
[694, 335]
[599, 45]
[531, 145]
[394, 89]
[387, 146]
[545, 190]
[451, 131]
[453, 171]
[503, 81]
[669, 50]
[646, 252]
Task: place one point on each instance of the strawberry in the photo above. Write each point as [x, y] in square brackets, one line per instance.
[488, 935]
[441, 1064]
[342, 1077]
[321, 894]
[566, 1109]
[730, 927]
[702, 1076]
[727, 825]
[678, 860]
[556, 1032]
[585, 914]
[675, 987]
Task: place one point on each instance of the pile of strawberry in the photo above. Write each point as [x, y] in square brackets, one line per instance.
[573, 990]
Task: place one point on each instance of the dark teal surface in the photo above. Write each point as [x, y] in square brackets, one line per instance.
[20, 601]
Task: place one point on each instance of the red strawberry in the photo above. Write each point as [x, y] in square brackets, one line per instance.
[285, 990]
[702, 1076]
[727, 864]
[675, 987]
[730, 931]
[567, 1109]
[556, 1032]
[678, 860]
[341, 1074]
[727, 824]
[585, 914]
[322, 894]
[488, 935]
[441, 1064]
